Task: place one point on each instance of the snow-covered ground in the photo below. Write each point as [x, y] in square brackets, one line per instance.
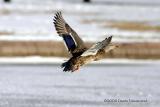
[32, 19]
[48, 86]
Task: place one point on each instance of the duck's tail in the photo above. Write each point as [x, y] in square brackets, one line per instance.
[66, 66]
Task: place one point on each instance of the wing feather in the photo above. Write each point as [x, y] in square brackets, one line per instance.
[96, 47]
[64, 29]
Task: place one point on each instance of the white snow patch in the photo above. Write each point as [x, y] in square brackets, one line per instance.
[57, 60]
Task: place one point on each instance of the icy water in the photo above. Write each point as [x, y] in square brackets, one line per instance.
[94, 86]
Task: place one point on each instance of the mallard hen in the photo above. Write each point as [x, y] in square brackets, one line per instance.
[81, 55]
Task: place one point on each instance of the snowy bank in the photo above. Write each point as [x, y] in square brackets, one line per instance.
[59, 60]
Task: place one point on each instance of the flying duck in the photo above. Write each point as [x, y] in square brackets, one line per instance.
[80, 54]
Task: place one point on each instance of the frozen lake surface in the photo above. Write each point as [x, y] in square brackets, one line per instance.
[45, 85]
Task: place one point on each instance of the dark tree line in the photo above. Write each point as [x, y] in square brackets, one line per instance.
[86, 1]
[7, 1]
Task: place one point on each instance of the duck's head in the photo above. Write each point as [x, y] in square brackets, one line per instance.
[111, 46]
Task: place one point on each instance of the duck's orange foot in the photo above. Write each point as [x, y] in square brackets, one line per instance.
[75, 69]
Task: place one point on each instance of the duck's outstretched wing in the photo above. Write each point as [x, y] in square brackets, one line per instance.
[96, 47]
[73, 42]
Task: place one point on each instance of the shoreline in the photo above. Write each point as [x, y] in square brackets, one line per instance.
[137, 50]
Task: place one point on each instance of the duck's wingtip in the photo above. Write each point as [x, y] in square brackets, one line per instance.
[110, 36]
[58, 12]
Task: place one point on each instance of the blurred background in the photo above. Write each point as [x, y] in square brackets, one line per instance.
[31, 53]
